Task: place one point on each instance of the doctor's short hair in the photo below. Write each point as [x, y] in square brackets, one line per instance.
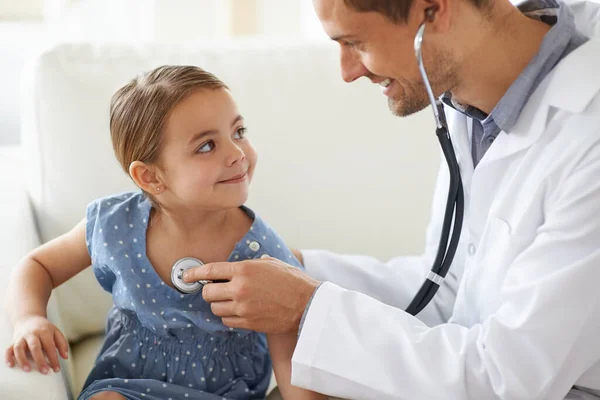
[140, 109]
[397, 10]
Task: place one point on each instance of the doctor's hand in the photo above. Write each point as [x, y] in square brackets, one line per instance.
[264, 295]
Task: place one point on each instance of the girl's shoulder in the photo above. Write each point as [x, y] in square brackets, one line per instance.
[115, 203]
[113, 213]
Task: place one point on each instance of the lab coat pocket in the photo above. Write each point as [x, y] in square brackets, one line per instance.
[499, 247]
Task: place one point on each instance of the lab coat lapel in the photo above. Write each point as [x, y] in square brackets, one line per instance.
[527, 130]
[571, 86]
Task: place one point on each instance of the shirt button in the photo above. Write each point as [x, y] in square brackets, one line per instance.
[254, 246]
[471, 249]
[265, 256]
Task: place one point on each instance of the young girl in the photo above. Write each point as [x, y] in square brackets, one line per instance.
[178, 134]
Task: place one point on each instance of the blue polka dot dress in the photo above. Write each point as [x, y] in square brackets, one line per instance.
[161, 344]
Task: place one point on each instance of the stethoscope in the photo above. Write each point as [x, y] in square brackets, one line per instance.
[453, 216]
[455, 204]
[177, 271]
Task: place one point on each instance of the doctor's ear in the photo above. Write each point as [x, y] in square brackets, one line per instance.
[430, 13]
[435, 13]
[146, 177]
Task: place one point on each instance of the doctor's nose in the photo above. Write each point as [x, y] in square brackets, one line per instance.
[351, 66]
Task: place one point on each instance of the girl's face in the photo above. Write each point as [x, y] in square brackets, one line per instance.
[205, 159]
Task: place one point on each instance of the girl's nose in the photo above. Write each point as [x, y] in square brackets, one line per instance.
[235, 155]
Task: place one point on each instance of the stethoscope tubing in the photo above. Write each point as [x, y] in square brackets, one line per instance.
[454, 211]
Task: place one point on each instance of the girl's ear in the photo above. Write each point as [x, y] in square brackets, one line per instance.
[146, 178]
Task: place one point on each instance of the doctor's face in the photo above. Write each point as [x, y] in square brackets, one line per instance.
[374, 46]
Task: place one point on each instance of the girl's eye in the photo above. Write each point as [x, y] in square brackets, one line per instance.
[206, 147]
[240, 133]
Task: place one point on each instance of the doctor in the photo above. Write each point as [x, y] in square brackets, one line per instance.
[518, 316]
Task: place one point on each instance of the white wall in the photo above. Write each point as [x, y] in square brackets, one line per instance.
[188, 20]
[146, 20]
[289, 18]
[11, 10]
[38, 23]
[13, 55]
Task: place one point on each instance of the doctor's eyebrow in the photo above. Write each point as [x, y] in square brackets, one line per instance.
[337, 38]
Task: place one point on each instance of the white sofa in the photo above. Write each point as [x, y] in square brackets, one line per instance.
[336, 170]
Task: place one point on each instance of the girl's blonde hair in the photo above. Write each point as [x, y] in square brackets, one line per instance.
[140, 109]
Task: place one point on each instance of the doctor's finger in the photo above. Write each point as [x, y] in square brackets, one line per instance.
[37, 353]
[47, 340]
[21, 355]
[223, 308]
[212, 292]
[212, 272]
[235, 322]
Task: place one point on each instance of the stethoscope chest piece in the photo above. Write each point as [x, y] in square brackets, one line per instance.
[177, 271]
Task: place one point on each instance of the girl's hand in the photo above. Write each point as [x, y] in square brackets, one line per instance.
[37, 336]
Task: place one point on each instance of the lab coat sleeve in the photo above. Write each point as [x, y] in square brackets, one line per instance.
[541, 339]
[397, 281]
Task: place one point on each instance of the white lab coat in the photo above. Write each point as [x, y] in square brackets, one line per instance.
[518, 316]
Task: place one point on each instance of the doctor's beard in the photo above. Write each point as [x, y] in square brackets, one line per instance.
[442, 73]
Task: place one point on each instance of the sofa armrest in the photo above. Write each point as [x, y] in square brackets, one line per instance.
[18, 236]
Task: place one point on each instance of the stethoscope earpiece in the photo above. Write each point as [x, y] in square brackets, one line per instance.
[430, 14]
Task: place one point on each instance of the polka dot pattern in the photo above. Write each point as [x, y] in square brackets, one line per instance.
[161, 343]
